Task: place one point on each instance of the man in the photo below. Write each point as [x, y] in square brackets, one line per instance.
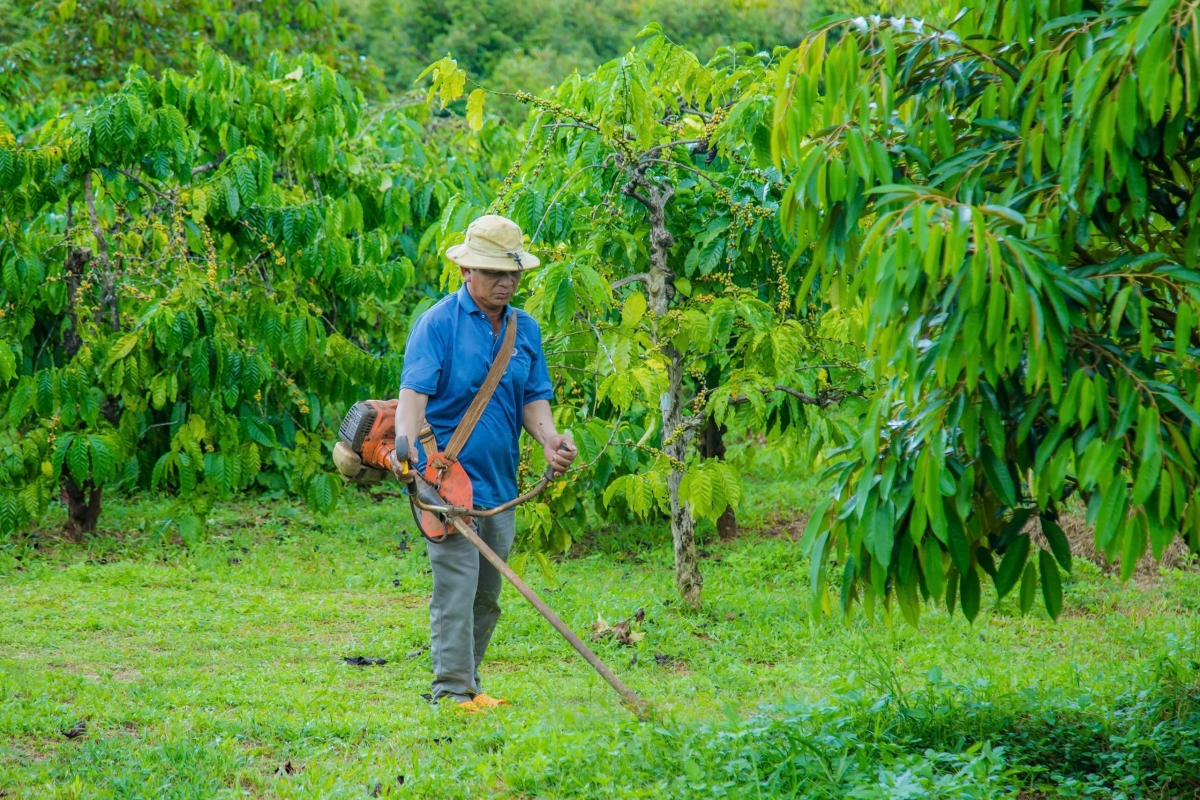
[449, 353]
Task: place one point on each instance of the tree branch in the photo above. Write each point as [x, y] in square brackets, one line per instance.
[641, 276]
[823, 399]
[207, 167]
[107, 280]
[145, 185]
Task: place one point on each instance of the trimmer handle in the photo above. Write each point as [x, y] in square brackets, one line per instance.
[403, 469]
[549, 474]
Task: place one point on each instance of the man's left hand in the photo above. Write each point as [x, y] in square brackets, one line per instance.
[560, 459]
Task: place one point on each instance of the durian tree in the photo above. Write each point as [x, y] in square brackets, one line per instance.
[1010, 201]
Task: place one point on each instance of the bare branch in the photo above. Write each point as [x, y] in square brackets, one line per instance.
[701, 173]
[581, 125]
[641, 276]
[823, 399]
[107, 280]
[207, 167]
[146, 186]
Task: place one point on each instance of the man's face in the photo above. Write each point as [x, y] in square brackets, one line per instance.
[491, 287]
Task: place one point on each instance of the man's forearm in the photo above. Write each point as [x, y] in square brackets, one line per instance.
[410, 414]
[539, 421]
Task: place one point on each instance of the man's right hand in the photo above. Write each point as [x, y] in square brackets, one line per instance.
[397, 466]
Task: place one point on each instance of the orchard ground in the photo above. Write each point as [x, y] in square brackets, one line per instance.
[218, 670]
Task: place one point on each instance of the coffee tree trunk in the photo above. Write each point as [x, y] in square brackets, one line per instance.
[83, 506]
[712, 445]
[660, 290]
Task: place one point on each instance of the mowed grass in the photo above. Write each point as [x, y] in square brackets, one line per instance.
[218, 670]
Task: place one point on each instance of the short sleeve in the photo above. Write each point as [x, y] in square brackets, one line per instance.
[422, 357]
[537, 385]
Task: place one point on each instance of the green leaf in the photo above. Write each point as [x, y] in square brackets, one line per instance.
[633, 309]
[1051, 584]
[1183, 331]
[969, 590]
[260, 431]
[998, 477]
[1028, 587]
[1151, 19]
[123, 347]
[475, 109]
[1134, 546]
[77, 459]
[1012, 565]
[189, 529]
[816, 570]
[1058, 543]
[1149, 467]
[816, 522]
[884, 533]
[8, 363]
[960, 548]
[1112, 512]
[103, 461]
[935, 575]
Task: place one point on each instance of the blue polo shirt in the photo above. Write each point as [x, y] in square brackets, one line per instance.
[449, 352]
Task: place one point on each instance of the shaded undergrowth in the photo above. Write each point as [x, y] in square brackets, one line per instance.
[940, 740]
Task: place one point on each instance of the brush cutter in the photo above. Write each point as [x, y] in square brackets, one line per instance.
[442, 500]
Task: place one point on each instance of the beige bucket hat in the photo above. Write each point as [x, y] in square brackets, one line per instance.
[493, 242]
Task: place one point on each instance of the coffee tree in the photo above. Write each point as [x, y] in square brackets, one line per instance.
[667, 298]
[196, 274]
[1011, 203]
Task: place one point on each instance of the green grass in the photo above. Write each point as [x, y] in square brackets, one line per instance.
[204, 671]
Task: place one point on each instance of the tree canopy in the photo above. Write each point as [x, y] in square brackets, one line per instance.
[1010, 202]
[953, 262]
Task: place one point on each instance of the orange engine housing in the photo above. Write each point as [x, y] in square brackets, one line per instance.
[455, 488]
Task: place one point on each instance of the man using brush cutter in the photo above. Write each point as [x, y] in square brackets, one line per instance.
[474, 375]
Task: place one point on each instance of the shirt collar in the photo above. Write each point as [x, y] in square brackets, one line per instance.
[468, 304]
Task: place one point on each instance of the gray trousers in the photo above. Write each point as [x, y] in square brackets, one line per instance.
[465, 605]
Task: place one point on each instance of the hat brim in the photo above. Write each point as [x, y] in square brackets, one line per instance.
[465, 257]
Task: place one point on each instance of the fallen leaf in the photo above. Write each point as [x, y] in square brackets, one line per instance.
[626, 636]
[662, 659]
[417, 652]
[639, 616]
[600, 628]
[360, 661]
[76, 730]
[378, 790]
[287, 768]
[622, 631]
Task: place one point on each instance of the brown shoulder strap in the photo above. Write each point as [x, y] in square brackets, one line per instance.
[428, 442]
[484, 395]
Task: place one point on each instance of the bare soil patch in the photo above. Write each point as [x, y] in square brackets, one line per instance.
[1082, 539]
